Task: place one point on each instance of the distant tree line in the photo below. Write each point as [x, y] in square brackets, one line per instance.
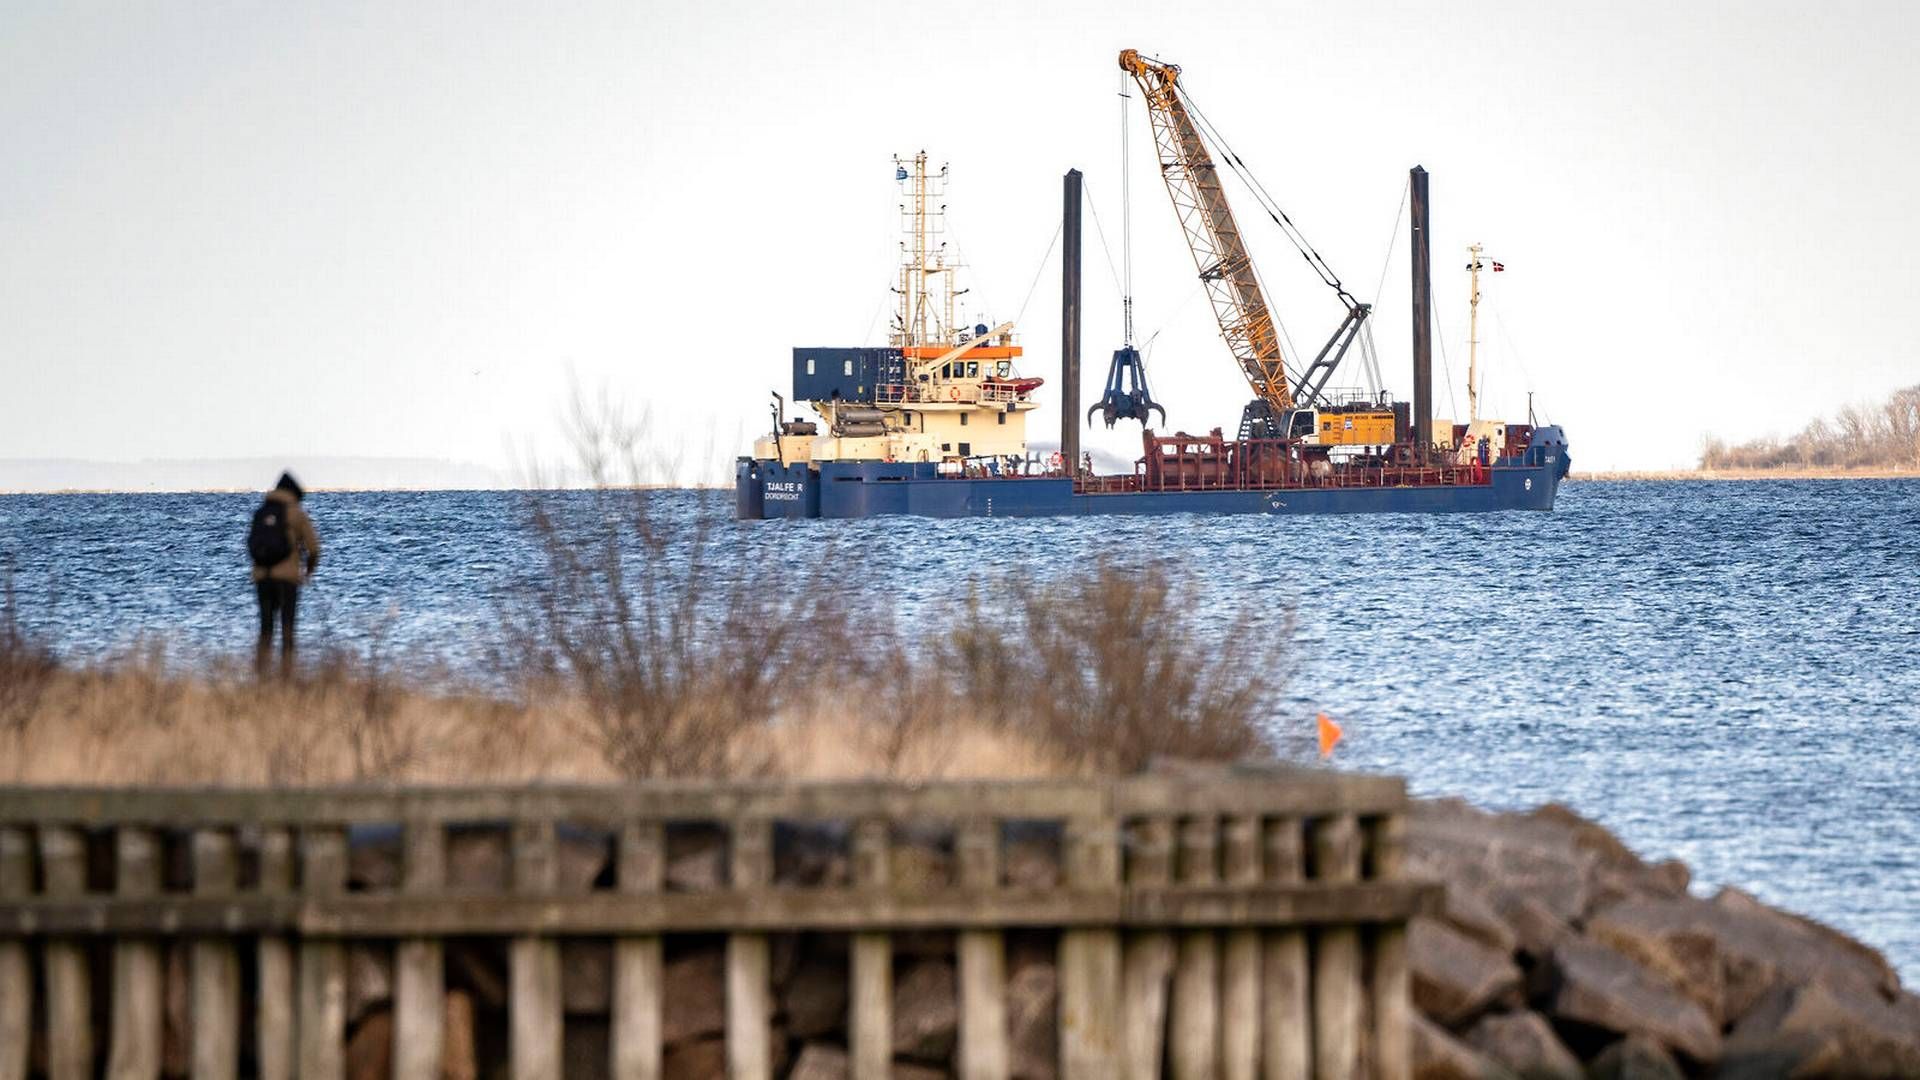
[1858, 436]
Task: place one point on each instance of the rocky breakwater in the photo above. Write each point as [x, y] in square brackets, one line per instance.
[1560, 953]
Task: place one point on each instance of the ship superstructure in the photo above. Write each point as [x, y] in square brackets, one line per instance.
[943, 391]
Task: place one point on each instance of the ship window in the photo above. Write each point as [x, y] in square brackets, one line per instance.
[1004, 368]
[809, 365]
[906, 416]
[966, 449]
[945, 446]
[963, 419]
[846, 367]
[973, 369]
[1003, 419]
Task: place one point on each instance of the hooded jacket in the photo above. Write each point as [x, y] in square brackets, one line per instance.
[301, 537]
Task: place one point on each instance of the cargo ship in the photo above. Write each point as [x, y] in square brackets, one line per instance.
[934, 422]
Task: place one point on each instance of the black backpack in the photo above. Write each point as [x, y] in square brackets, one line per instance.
[267, 540]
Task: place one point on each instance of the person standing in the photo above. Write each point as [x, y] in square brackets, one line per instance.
[285, 550]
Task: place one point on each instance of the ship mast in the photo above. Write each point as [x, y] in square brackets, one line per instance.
[923, 256]
[1473, 334]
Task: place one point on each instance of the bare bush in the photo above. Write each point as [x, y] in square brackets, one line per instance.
[1117, 666]
[1858, 436]
[674, 649]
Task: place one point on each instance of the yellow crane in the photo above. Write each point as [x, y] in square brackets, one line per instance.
[1279, 408]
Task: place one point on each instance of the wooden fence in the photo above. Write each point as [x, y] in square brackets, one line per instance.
[1239, 924]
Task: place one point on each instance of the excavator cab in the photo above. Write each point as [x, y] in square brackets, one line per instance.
[1127, 396]
[1259, 420]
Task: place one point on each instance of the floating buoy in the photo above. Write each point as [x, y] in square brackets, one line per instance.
[1330, 734]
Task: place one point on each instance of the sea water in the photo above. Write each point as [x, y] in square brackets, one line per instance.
[1727, 673]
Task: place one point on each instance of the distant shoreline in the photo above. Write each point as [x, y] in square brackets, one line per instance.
[1750, 474]
[21, 492]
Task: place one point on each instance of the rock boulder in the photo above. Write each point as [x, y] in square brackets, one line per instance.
[1033, 1036]
[815, 1000]
[1439, 1056]
[1455, 977]
[1588, 984]
[1729, 953]
[1818, 1030]
[1525, 1043]
[695, 996]
[926, 1012]
[1635, 1057]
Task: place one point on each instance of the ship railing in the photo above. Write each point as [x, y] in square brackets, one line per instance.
[1239, 475]
[952, 393]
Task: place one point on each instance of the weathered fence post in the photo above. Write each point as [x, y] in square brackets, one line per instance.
[16, 974]
[1336, 957]
[983, 964]
[419, 968]
[870, 971]
[534, 1005]
[274, 1035]
[215, 966]
[637, 999]
[63, 866]
[1149, 953]
[1240, 957]
[1286, 1048]
[749, 1055]
[1090, 959]
[1392, 978]
[322, 1021]
[137, 982]
[1195, 1021]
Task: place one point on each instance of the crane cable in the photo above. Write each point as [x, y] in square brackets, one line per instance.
[1279, 217]
[1514, 350]
[1112, 271]
[1126, 217]
[1267, 202]
[1446, 369]
[1375, 382]
[1041, 269]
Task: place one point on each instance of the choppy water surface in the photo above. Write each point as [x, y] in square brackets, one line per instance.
[1728, 673]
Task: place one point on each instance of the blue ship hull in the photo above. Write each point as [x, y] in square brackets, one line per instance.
[858, 489]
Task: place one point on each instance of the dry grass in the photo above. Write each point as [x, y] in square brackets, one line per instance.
[1095, 673]
[27, 668]
[136, 725]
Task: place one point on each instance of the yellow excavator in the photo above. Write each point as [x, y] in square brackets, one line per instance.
[1288, 401]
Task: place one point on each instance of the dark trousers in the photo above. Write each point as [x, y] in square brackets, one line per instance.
[276, 598]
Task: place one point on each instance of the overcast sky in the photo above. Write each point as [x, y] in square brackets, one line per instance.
[386, 229]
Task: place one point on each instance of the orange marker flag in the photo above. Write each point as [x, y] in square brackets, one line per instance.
[1329, 734]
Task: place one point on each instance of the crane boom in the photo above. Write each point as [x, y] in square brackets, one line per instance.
[1247, 324]
[1193, 182]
